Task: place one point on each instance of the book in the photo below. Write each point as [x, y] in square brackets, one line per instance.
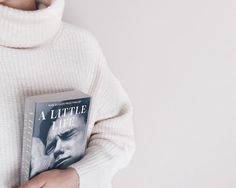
[55, 131]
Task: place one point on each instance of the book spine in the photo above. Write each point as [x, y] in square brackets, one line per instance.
[29, 114]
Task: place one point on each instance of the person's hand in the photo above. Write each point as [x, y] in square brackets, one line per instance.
[66, 178]
[46, 2]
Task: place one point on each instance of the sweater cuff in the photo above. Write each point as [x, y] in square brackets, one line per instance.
[89, 179]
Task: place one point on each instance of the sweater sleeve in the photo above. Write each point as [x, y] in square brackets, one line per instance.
[111, 143]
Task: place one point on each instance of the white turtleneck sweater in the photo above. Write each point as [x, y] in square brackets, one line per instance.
[40, 54]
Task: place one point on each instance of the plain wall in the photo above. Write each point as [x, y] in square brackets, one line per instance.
[177, 62]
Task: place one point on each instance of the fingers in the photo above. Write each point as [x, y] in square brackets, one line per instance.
[36, 182]
[46, 2]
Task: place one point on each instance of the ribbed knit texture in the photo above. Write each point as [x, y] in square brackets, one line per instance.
[40, 56]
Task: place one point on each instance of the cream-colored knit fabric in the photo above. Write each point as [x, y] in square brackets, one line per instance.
[40, 54]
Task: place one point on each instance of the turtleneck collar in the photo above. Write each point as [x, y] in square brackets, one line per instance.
[25, 29]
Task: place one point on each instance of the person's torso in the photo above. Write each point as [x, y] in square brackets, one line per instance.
[61, 66]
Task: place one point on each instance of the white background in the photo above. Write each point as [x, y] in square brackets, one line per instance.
[177, 62]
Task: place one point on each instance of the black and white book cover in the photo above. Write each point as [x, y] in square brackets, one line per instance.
[55, 131]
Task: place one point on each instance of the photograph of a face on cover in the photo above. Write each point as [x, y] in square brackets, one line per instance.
[59, 135]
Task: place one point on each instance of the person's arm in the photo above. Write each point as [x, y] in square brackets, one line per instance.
[111, 144]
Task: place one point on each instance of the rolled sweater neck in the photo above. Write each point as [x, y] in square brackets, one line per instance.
[25, 29]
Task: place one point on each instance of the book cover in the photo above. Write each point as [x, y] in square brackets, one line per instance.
[55, 132]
